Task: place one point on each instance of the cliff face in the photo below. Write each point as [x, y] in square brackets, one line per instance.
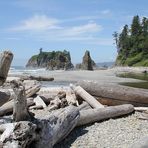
[87, 62]
[51, 60]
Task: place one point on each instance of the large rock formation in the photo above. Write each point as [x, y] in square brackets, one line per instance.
[87, 63]
[51, 60]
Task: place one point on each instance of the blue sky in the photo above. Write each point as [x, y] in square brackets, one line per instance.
[74, 25]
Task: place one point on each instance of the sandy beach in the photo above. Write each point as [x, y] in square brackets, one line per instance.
[102, 76]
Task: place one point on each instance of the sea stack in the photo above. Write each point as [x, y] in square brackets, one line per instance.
[87, 61]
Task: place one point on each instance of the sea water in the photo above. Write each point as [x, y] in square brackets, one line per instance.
[20, 70]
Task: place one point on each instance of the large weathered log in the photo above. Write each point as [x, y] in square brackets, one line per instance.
[18, 135]
[47, 130]
[8, 107]
[86, 96]
[20, 111]
[116, 94]
[56, 126]
[94, 115]
[5, 62]
[4, 96]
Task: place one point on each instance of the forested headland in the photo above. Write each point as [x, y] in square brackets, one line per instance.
[132, 43]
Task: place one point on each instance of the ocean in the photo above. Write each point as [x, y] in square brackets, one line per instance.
[20, 70]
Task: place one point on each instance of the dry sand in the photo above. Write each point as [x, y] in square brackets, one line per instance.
[102, 76]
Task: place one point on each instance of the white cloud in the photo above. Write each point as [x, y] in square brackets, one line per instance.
[106, 12]
[43, 28]
[37, 23]
[83, 29]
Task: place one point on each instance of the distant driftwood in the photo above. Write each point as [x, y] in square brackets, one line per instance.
[38, 78]
[111, 94]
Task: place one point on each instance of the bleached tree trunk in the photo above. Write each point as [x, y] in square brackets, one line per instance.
[86, 96]
[20, 112]
[5, 62]
[113, 94]
[94, 115]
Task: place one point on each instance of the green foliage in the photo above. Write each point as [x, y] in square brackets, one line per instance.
[58, 59]
[132, 43]
[34, 57]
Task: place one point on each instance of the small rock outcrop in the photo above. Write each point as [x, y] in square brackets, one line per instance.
[54, 60]
[87, 63]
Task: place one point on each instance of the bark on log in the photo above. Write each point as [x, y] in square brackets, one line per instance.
[116, 93]
[94, 115]
[56, 126]
[20, 111]
[5, 62]
[8, 107]
[114, 102]
[18, 135]
[86, 96]
[4, 96]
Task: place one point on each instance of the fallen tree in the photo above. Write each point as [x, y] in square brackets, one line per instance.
[95, 115]
[45, 131]
[86, 96]
[8, 107]
[113, 94]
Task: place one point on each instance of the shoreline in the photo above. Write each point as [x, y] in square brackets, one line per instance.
[101, 76]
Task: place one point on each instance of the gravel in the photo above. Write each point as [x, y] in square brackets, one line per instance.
[114, 133]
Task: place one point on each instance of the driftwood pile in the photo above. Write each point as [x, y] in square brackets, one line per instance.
[38, 118]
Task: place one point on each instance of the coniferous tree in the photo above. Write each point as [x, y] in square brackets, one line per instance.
[132, 43]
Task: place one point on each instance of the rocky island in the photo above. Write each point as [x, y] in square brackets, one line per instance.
[53, 60]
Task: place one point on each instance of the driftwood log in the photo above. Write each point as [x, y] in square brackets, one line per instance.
[86, 96]
[49, 129]
[41, 78]
[8, 107]
[84, 106]
[18, 134]
[56, 126]
[94, 115]
[113, 94]
[4, 96]
[5, 62]
[32, 91]
[20, 111]
[46, 131]
[31, 87]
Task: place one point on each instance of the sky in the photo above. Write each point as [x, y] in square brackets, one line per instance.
[73, 25]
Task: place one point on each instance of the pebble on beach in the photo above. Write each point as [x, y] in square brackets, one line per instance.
[113, 133]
